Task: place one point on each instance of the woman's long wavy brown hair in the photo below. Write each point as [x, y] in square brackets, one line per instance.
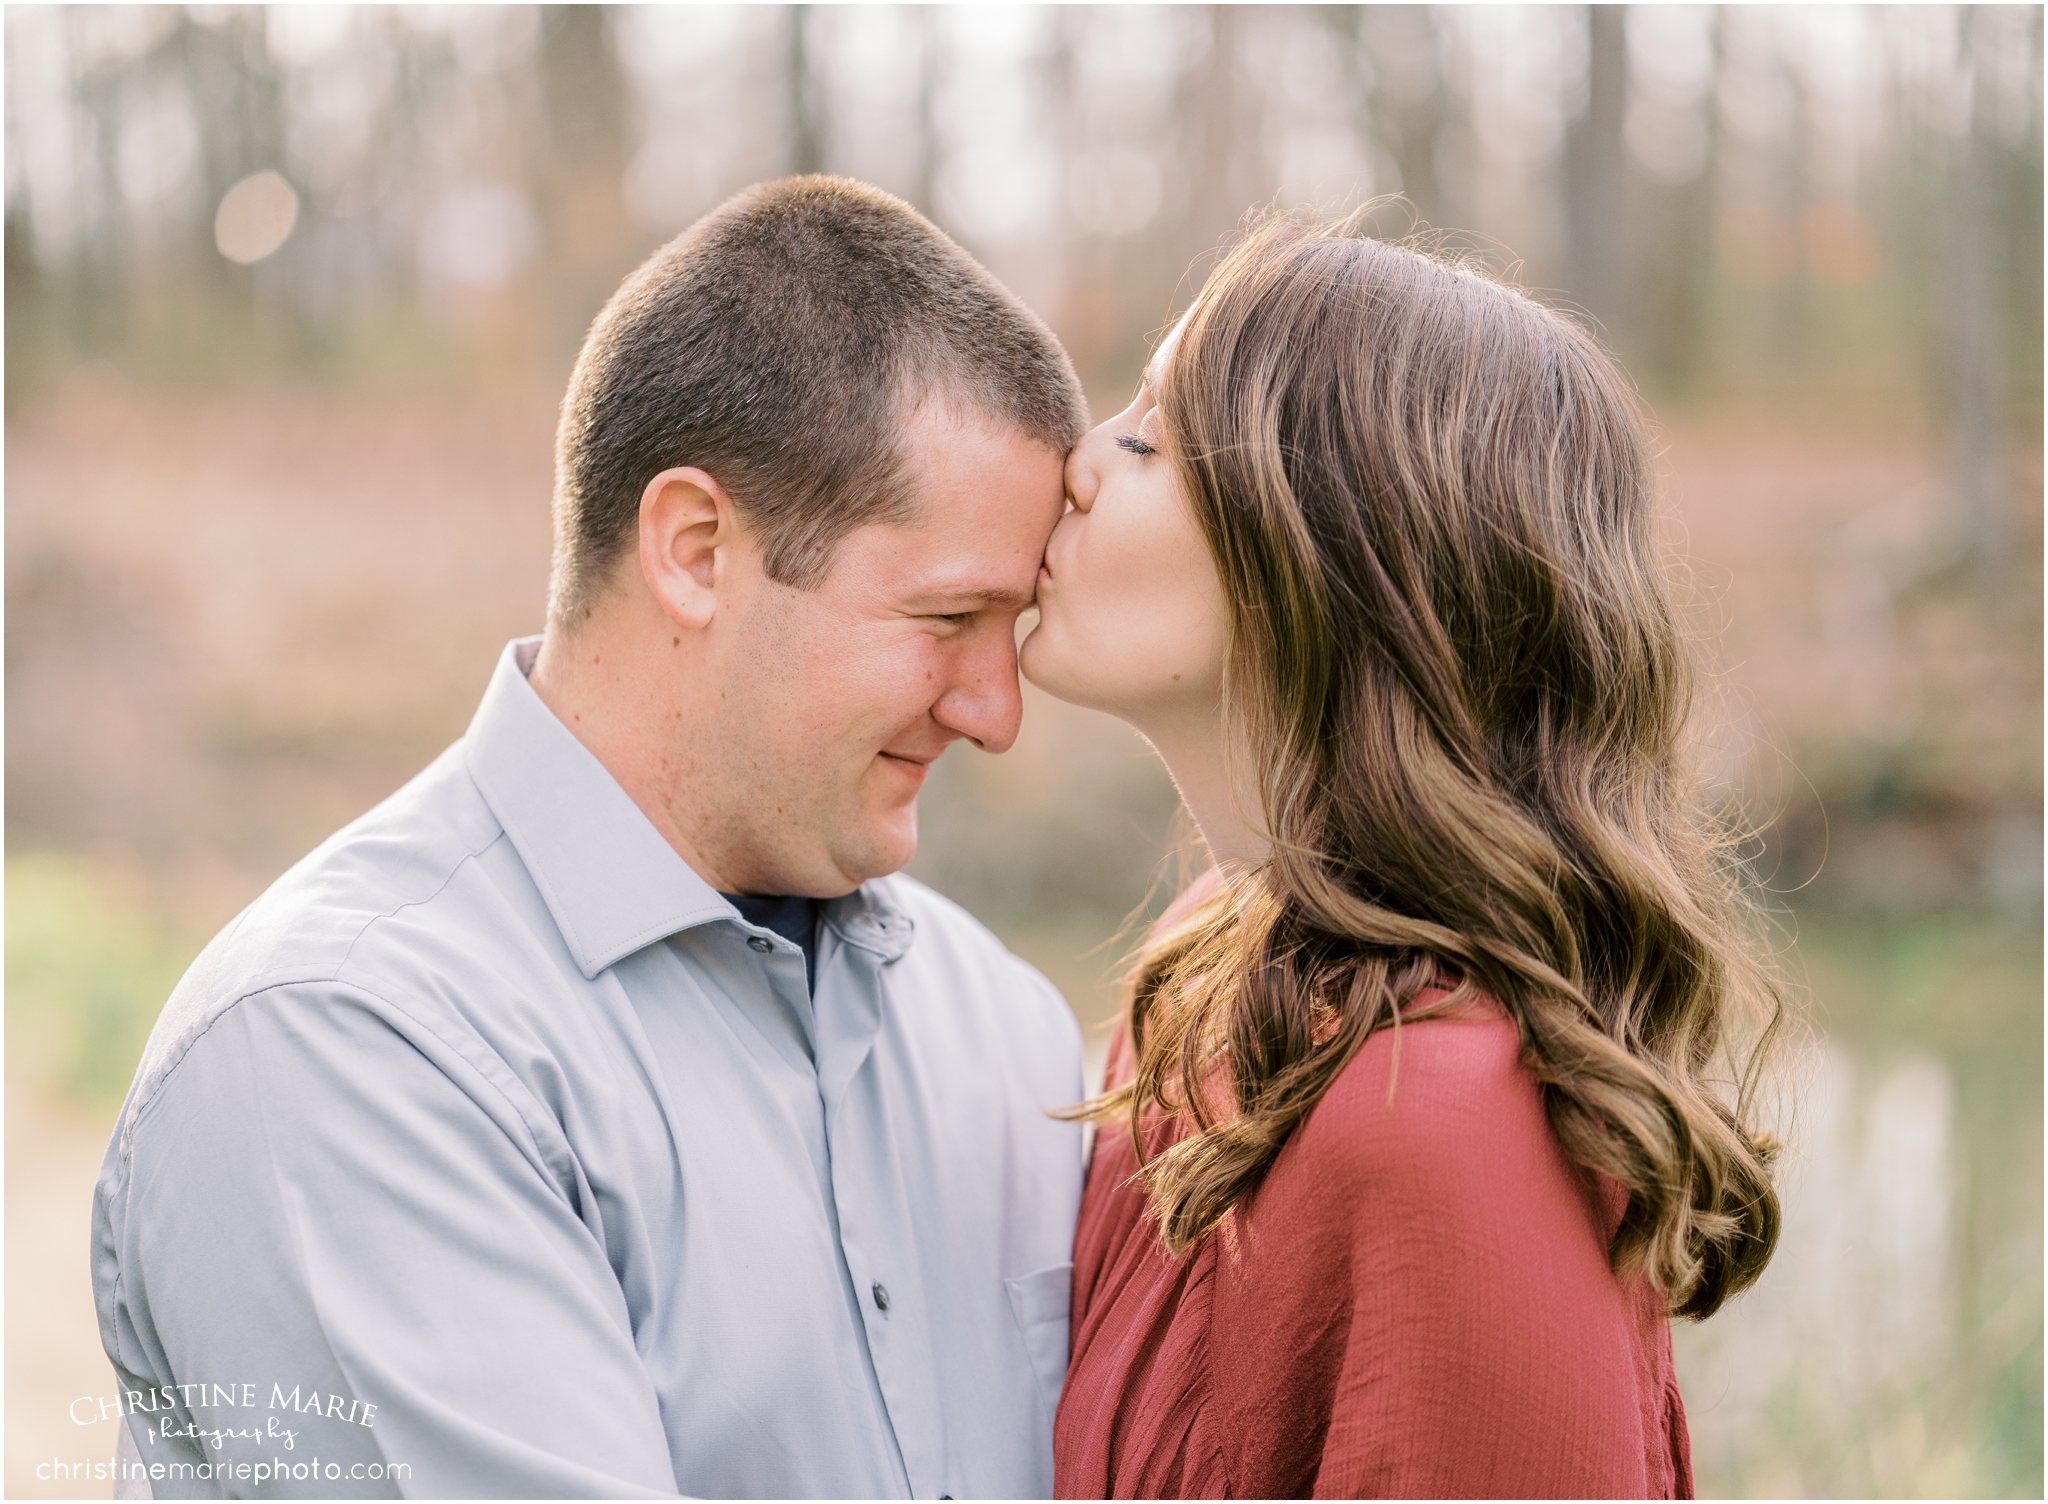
[1457, 677]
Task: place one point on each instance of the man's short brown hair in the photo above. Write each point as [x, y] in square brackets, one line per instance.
[779, 344]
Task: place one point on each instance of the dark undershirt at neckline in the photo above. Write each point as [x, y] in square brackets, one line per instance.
[794, 919]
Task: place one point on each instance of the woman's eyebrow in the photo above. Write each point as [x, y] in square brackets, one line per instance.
[1159, 356]
[1148, 395]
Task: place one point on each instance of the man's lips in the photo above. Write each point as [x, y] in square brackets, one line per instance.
[908, 766]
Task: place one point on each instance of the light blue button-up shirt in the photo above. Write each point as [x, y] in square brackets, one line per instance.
[490, 1152]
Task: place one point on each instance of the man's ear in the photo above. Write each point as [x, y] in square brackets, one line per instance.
[687, 523]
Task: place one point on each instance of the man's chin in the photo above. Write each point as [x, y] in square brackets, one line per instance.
[885, 846]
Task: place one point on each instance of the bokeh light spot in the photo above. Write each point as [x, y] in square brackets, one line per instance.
[255, 217]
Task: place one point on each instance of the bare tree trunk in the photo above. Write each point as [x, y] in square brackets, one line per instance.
[1973, 354]
[1793, 320]
[1062, 103]
[577, 172]
[1692, 355]
[1219, 108]
[1596, 173]
[806, 133]
[1403, 101]
[1673, 242]
[581, 84]
[925, 190]
[237, 101]
[101, 258]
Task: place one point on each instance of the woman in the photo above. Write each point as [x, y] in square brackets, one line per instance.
[1427, 1113]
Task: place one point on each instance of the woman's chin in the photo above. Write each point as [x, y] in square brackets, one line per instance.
[1039, 661]
[1033, 656]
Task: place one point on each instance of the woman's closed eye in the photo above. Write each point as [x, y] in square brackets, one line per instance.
[1132, 444]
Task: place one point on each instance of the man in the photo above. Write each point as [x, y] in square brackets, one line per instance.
[598, 1116]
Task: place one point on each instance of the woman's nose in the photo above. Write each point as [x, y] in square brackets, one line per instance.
[1083, 478]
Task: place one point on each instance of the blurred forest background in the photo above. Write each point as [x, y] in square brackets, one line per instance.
[291, 294]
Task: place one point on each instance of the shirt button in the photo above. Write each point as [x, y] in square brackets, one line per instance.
[881, 1294]
[760, 943]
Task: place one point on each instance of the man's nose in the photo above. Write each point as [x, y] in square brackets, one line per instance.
[984, 703]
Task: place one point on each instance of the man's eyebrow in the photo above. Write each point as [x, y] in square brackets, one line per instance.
[975, 598]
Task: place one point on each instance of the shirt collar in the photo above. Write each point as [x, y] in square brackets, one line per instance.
[612, 882]
[868, 919]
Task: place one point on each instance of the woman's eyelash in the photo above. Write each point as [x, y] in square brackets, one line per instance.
[1133, 444]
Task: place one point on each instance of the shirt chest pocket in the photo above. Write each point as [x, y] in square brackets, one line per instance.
[1041, 1302]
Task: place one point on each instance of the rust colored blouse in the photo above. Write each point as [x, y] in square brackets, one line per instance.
[1414, 1303]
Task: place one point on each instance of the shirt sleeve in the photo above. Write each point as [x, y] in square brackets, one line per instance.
[1489, 1352]
[375, 1267]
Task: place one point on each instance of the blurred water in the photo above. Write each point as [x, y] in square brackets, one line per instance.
[1832, 1364]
